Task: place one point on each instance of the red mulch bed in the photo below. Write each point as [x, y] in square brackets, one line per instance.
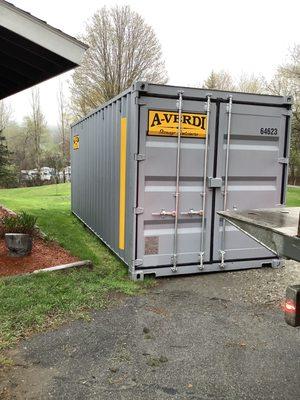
[5, 211]
[43, 255]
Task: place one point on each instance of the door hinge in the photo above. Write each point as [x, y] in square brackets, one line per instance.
[138, 210]
[283, 160]
[137, 262]
[139, 157]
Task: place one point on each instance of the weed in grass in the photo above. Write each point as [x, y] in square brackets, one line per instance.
[6, 362]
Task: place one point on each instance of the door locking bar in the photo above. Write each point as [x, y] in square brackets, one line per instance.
[164, 213]
[225, 192]
[175, 242]
[201, 254]
[192, 212]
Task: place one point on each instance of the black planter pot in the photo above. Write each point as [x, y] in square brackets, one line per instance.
[18, 244]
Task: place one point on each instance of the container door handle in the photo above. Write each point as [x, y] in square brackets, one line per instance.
[192, 212]
[175, 238]
[203, 194]
[163, 213]
[225, 192]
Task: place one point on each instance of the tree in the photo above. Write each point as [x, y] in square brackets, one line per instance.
[5, 164]
[54, 161]
[221, 80]
[251, 84]
[35, 127]
[63, 129]
[123, 48]
[287, 82]
[18, 143]
[7, 173]
[5, 115]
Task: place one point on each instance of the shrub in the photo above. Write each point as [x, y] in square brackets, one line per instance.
[19, 223]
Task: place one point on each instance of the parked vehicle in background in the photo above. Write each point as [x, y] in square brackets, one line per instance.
[47, 175]
[65, 174]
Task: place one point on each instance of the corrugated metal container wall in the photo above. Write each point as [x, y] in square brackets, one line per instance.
[158, 214]
[96, 172]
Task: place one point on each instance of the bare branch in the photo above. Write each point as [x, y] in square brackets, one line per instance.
[63, 127]
[35, 126]
[221, 80]
[123, 48]
[5, 115]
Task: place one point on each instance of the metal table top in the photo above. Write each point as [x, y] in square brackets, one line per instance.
[277, 229]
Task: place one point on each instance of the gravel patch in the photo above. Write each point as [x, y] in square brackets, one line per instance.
[262, 286]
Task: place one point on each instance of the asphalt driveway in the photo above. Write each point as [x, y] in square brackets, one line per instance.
[215, 336]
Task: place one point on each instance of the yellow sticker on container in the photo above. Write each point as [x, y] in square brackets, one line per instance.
[76, 142]
[165, 123]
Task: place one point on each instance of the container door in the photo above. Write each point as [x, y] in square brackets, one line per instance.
[255, 172]
[157, 172]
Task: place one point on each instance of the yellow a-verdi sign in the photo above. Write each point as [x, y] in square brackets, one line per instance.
[165, 123]
[75, 142]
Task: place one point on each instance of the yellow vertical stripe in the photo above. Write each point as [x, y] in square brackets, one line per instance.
[122, 198]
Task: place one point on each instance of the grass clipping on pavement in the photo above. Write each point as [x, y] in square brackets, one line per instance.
[34, 302]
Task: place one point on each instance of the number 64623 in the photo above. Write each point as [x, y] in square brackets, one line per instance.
[268, 131]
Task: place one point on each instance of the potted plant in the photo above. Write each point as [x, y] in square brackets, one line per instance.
[19, 230]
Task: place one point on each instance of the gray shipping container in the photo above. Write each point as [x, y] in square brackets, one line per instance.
[152, 194]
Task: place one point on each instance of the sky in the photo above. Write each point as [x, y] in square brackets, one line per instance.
[197, 36]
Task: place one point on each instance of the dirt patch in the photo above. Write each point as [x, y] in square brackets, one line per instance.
[28, 378]
[43, 255]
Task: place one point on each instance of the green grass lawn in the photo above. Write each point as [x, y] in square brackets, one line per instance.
[31, 303]
[293, 197]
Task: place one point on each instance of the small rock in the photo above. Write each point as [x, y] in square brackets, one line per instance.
[113, 369]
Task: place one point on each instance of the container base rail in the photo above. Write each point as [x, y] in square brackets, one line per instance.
[158, 272]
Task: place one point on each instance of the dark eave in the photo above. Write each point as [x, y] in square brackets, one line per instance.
[31, 51]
